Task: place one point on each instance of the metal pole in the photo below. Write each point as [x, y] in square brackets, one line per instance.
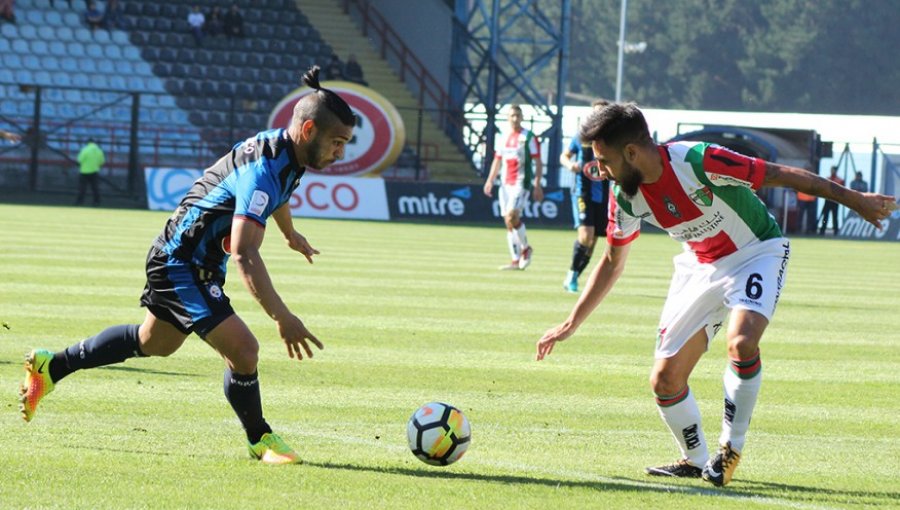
[36, 140]
[621, 51]
[133, 143]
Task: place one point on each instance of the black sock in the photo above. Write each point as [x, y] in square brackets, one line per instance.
[110, 346]
[581, 256]
[242, 392]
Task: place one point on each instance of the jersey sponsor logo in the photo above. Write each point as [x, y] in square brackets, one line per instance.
[250, 147]
[258, 202]
[379, 135]
[727, 179]
[702, 196]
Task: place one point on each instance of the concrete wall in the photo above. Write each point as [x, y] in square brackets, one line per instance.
[426, 28]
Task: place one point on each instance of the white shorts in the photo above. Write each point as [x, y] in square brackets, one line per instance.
[701, 295]
[512, 197]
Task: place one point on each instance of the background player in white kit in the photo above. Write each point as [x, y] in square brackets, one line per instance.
[518, 155]
[735, 260]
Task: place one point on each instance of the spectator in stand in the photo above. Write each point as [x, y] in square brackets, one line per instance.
[6, 10]
[93, 17]
[214, 25]
[196, 20]
[807, 207]
[858, 184]
[334, 70]
[112, 15]
[353, 71]
[831, 207]
[234, 22]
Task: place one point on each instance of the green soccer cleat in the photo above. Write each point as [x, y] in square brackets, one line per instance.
[719, 470]
[37, 382]
[271, 449]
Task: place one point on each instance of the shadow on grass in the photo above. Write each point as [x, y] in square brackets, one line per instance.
[741, 490]
[148, 371]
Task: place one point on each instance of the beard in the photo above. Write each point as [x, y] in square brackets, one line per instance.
[314, 154]
[629, 179]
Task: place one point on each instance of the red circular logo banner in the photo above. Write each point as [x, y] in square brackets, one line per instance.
[378, 137]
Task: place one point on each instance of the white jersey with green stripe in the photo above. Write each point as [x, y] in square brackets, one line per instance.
[516, 153]
[704, 199]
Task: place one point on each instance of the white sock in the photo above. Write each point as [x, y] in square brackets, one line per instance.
[513, 244]
[742, 381]
[520, 234]
[682, 416]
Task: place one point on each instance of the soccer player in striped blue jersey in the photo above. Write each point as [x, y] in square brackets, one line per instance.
[223, 215]
[733, 265]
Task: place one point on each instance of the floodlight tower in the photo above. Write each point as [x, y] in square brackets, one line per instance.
[501, 49]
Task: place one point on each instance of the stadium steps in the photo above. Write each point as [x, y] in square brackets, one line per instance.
[339, 31]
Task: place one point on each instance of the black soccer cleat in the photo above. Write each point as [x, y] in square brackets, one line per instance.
[680, 469]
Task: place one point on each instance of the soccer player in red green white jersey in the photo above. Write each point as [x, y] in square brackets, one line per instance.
[734, 261]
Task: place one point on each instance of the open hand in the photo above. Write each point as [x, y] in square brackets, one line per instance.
[548, 341]
[299, 243]
[297, 337]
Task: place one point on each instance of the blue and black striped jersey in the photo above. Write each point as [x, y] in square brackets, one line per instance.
[595, 191]
[254, 179]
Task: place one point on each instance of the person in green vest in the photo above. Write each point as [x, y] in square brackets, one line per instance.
[90, 161]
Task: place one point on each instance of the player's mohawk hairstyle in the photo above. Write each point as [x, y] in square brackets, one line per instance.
[332, 101]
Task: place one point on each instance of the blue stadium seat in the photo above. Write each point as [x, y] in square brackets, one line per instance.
[9, 31]
[144, 24]
[31, 62]
[80, 80]
[119, 37]
[20, 46]
[46, 33]
[53, 18]
[34, 17]
[40, 48]
[62, 80]
[5, 47]
[88, 65]
[72, 95]
[28, 32]
[50, 63]
[72, 19]
[135, 83]
[130, 53]
[60, 50]
[107, 66]
[43, 78]
[94, 50]
[83, 35]
[150, 9]
[142, 68]
[11, 60]
[117, 82]
[24, 76]
[63, 34]
[102, 37]
[74, 49]
[113, 52]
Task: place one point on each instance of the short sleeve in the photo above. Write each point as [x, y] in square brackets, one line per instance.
[725, 167]
[622, 228]
[256, 192]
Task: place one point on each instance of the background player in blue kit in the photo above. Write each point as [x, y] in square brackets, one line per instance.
[589, 206]
[224, 213]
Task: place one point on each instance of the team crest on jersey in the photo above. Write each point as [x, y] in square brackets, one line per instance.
[215, 291]
[670, 205]
[703, 196]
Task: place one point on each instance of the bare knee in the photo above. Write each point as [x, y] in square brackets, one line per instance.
[665, 382]
[245, 359]
[742, 347]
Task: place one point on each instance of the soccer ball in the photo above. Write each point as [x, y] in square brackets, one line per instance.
[438, 434]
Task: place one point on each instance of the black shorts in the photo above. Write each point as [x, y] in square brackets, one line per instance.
[588, 213]
[188, 297]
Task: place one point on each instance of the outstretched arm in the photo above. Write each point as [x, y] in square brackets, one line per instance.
[602, 280]
[294, 240]
[872, 207]
[246, 238]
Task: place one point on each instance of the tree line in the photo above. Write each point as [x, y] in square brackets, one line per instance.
[805, 56]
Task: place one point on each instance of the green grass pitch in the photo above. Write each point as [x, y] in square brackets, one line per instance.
[411, 313]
